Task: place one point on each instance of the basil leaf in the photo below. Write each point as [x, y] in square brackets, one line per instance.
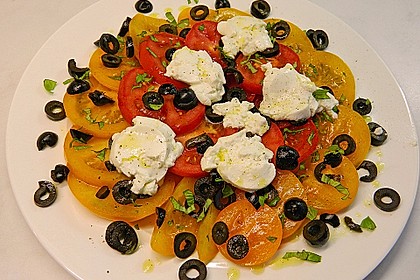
[205, 209]
[368, 223]
[320, 94]
[312, 213]
[189, 196]
[303, 255]
[272, 239]
[50, 85]
[227, 191]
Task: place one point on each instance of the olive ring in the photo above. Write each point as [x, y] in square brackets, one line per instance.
[382, 193]
[45, 187]
[199, 12]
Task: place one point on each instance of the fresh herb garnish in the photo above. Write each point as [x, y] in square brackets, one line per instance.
[320, 93]
[312, 213]
[368, 223]
[337, 185]
[50, 85]
[204, 210]
[303, 255]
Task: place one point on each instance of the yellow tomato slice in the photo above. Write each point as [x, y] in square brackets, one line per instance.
[109, 209]
[214, 15]
[206, 247]
[100, 121]
[348, 122]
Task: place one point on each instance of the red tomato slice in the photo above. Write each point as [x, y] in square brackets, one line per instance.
[204, 36]
[131, 104]
[152, 56]
[304, 138]
[273, 138]
[250, 68]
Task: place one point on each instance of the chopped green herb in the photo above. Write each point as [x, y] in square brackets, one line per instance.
[50, 85]
[282, 218]
[251, 67]
[153, 38]
[337, 185]
[142, 34]
[205, 209]
[312, 213]
[101, 154]
[294, 131]
[227, 191]
[273, 202]
[303, 255]
[201, 27]
[335, 149]
[143, 78]
[184, 23]
[83, 147]
[368, 223]
[151, 52]
[311, 137]
[315, 156]
[68, 81]
[272, 239]
[171, 223]
[320, 93]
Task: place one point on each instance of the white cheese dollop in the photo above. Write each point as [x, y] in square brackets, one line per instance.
[244, 34]
[145, 151]
[287, 95]
[241, 161]
[197, 69]
[237, 115]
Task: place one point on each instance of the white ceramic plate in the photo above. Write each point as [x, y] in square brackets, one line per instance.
[74, 237]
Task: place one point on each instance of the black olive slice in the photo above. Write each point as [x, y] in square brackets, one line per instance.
[220, 233]
[111, 60]
[75, 71]
[196, 265]
[351, 144]
[271, 52]
[318, 38]
[378, 134]
[144, 6]
[253, 199]
[109, 43]
[46, 138]
[221, 202]
[109, 166]
[169, 53]
[316, 233]
[153, 100]
[202, 142]
[280, 30]
[184, 32]
[204, 187]
[45, 188]
[167, 89]
[77, 87]
[235, 92]
[129, 47]
[287, 158]
[55, 110]
[231, 71]
[352, 225]
[124, 27]
[184, 244]
[387, 193]
[99, 98]
[222, 4]
[59, 173]
[333, 159]
[122, 237]
[362, 106]
[272, 195]
[103, 192]
[185, 99]
[295, 209]
[260, 9]
[371, 168]
[318, 171]
[160, 216]
[168, 28]
[331, 219]
[237, 246]
[199, 12]
[122, 192]
[213, 117]
[80, 136]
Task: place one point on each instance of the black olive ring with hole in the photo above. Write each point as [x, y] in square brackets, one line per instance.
[109, 43]
[260, 9]
[218, 199]
[316, 233]
[168, 28]
[362, 106]
[143, 6]
[45, 188]
[120, 236]
[378, 134]
[122, 192]
[111, 60]
[194, 264]
[184, 244]
[55, 110]
[380, 194]
[280, 30]
[351, 144]
[199, 12]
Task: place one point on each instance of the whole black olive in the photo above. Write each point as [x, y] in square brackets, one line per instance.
[237, 92]
[192, 264]
[124, 27]
[129, 47]
[109, 43]
[205, 188]
[160, 216]
[45, 188]
[99, 98]
[122, 237]
[47, 138]
[167, 89]
[168, 28]
[144, 6]
[295, 209]
[220, 233]
[184, 244]
[222, 4]
[351, 144]
[199, 12]
[77, 87]
[287, 158]
[111, 60]
[238, 247]
[318, 38]
[185, 99]
[213, 117]
[371, 168]
[184, 32]
[316, 233]
[59, 173]
[392, 195]
[169, 53]
[280, 30]
[331, 219]
[153, 100]
[75, 71]
[103, 192]
[362, 106]
[122, 192]
[260, 9]
[271, 52]
[80, 136]
[378, 134]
